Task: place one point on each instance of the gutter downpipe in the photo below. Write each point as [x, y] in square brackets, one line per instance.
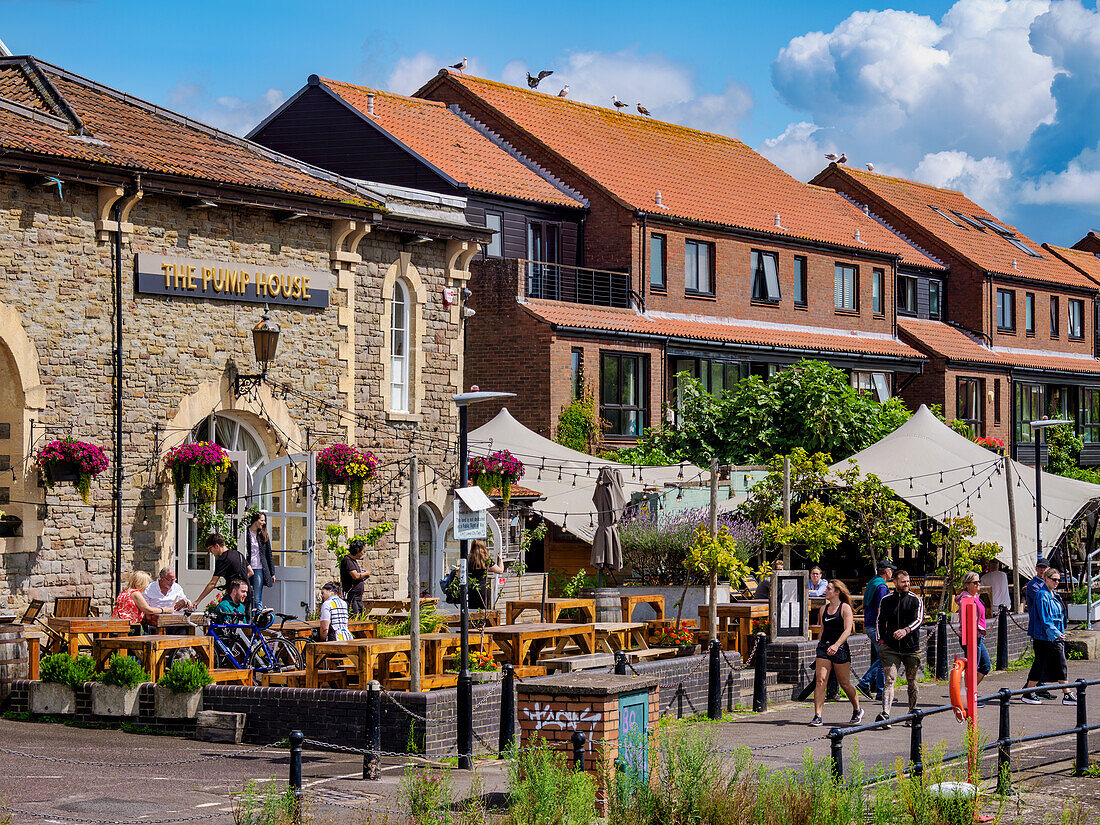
[118, 395]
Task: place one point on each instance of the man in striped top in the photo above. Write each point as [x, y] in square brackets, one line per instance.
[334, 615]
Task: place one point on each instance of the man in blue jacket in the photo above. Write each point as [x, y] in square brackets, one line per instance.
[1048, 621]
[1031, 598]
[873, 595]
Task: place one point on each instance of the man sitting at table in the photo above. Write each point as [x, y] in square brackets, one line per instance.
[165, 594]
[230, 564]
[334, 615]
[231, 609]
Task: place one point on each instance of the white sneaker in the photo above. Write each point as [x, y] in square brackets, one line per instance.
[1031, 699]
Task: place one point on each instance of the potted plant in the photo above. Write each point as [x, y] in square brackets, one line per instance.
[679, 636]
[500, 470]
[343, 464]
[483, 667]
[179, 691]
[1078, 608]
[116, 692]
[995, 445]
[61, 675]
[70, 460]
[199, 464]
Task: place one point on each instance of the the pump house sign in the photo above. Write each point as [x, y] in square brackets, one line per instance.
[230, 281]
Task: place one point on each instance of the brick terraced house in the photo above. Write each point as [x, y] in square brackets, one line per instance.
[731, 267]
[197, 230]
[1015, 341]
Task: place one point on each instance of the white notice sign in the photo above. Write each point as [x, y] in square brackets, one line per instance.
[468, 524]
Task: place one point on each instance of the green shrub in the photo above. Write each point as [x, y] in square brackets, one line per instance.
[124, 672]
[545, 789]
[579, 426]
[185, 676]
[65, 670]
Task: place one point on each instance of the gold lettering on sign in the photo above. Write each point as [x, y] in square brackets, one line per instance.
[305, 287]
[286, 282]
[167, 270]
[190, 277]
[234, 283]
[246, 277]
[219, 273]
[207, 274]
[261, 283]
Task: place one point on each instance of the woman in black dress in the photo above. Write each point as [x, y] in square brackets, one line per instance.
[833, 654]
[478, 570]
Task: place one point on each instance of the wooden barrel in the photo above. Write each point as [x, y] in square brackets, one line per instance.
[609, 608]
[14, 663]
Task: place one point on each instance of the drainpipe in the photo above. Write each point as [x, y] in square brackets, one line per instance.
[642, 279]
[118, 396]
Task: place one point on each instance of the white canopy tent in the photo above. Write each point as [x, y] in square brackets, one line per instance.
[942, 473]
[567, 478]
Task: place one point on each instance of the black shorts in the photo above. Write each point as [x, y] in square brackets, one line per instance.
[842, 656]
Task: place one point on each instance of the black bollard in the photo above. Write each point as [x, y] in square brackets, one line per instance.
[1082, 732]
[941, 647]
[1004, 747]
[714, 698]
[1002, 639]
[915, 742]
[296, 738]
[507, 710]
[620, 663]
[836, 744]
[578, 740]
[760, 675]
[372, 759]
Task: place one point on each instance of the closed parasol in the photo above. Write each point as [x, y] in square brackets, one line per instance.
[610, 501]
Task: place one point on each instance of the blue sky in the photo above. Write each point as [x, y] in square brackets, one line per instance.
[994, 97]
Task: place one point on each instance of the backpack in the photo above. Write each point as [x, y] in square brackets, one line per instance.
[449, 585]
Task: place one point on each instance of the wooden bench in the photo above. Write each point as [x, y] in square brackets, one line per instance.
[297, 678]
[590, 661]
[650, 653]
[231, 676]
[427, 682]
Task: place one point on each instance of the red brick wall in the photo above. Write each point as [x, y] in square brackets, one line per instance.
[1042, 339]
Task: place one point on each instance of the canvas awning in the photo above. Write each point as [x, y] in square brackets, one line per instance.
[568, 502]
[941, 473]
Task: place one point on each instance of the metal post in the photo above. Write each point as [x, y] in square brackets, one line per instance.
[414, 575]
[372, 760]
[941, 647]
[1038, 491]
[787, 507]
[836, 743]
[296, 738]
[620, 663]
[712, 591]
[1014, 538]
[760, 675]
[507, 709]
[465, 680]
[1002, 638]
[1004, 745]
[714, 688]
[1082, 730]
[916, 743]
[578, 740]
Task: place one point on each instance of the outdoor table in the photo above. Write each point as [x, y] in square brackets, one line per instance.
[554, 607]
[298, 628]
[522, 643]
[162, 623]
[612, 636]
[742, 614]
[629, 602]
[395, 605]
[489, 618]
[368, 657]
[152, 651]
[80, 632]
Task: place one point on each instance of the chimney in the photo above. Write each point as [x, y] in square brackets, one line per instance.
[370, 103]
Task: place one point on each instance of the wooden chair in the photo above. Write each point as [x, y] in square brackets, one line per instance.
[747, 591]
[31, 617]
[72, 607]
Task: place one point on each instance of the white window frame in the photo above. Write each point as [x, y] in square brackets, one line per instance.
[845, 290]
[399, 341]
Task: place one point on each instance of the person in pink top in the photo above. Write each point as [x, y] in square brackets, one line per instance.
[970, 584]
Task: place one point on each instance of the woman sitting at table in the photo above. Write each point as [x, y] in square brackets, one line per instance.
[131, 604]
[334, 615]
[479, 568]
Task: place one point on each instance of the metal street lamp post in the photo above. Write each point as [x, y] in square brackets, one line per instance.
[1037, 428]
[465, 681]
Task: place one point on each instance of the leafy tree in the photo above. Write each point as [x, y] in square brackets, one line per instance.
[580, 427]
[960, 555]
[880, 521]
[818, 528]
[809, 475]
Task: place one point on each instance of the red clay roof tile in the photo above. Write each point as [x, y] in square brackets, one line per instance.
[701, 176]
[1087, 262]
[451, 145]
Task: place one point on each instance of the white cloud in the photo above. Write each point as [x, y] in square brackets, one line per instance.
[1076, 185]
[800, 150]
[986, 180]
[413, 71]
[230, 114]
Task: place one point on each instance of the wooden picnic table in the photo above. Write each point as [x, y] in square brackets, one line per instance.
[152, 651]
[522, 643]
[162, 623]
[76, 633]
[630, 601]
[370, 658]
[612, 636]
[554, 607]
[395, 605]
[741, 614]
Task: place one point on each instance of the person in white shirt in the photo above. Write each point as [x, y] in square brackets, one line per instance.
[817, 583]
[997, 579]
[334, 615]
[165, 592]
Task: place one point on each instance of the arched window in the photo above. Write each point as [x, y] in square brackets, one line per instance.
[399, 349]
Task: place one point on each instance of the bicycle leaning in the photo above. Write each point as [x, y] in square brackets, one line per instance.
[253, 644]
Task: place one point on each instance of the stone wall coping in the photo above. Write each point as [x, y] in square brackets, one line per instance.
[587, 684]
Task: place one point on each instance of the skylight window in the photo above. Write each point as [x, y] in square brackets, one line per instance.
[972, 221]
[943, 214]
[1008, 235]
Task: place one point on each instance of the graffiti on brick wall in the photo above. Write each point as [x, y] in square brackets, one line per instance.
[582, 720]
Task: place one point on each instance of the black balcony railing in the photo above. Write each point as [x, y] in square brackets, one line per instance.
[558, 282]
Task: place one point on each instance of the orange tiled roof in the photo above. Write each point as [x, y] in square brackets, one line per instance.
[701, 176]
[788, 336]
[127, 133]
[450, 144]
[985, 248]
[1087, 262]
[952, 343]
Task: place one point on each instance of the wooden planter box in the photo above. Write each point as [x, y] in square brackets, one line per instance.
[112, 700]
[172, 705]
[51, 697]
[58, 471]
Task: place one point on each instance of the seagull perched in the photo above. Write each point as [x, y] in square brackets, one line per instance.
[870, 167]
[533, 82]
[618, 103]
[831, 156]
[842, 159]
[460, 65]
[642, 110]
[564, 91]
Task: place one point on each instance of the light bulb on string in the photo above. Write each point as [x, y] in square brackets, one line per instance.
[559, 472]
[680, 477]
[574, 480]
[679, 493]
[588, 472]
[910, 483]
[633, 475]
[941, 476]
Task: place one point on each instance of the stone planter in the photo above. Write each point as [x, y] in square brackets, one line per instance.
[480, 676]
[1081, 612]
[51, 697]
[172, 705]
[112, 700]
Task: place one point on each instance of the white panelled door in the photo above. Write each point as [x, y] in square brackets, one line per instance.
[284, 490]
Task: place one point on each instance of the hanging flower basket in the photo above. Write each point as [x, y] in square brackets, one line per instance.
[496, 470]
[199, 464]
[71, 460]
[345, 465]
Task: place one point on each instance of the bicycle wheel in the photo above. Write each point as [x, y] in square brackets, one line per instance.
[286, 652]
[238, 649]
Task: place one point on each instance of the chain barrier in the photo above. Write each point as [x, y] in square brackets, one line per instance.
[332, 746]
[805, 741]
[405, 710]
[158, 764]
[54, 817]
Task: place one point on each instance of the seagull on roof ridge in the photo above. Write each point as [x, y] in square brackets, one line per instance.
[642, 110]
[870, 167]
[564, 91]
[842, 159]
[460, 65]
[831, 156]
[533, 82]
[618, 103]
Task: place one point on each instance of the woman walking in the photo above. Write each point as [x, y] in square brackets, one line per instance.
[833, 654]
[1050, 640]
[259, 559]
[970, 584]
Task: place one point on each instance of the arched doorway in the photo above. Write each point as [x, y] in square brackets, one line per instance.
[446, 553]
[428, 525]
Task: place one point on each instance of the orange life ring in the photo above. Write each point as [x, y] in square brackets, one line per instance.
[958, 670]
